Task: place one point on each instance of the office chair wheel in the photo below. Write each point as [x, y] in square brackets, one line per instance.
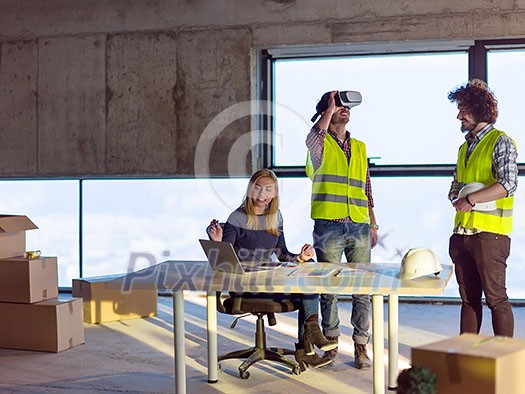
[244, 374]
[296, 370]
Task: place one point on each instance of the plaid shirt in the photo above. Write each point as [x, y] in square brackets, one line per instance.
[504, 166]
[315, 144]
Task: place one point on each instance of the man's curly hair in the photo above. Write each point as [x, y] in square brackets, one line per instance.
[476, 97]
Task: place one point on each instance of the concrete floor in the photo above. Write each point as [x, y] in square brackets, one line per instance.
[136, 356]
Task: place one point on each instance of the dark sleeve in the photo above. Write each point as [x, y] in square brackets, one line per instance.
[283, 252]
[229, 233]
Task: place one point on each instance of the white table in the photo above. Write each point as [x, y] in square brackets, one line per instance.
[177, 276]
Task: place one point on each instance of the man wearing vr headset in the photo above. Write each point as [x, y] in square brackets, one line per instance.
[342, 208]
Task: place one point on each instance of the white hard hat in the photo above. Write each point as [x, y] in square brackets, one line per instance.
[474, 187]
[419, 262]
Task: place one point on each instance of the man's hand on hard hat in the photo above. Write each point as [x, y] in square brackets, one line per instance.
[462, 204]
[491, 193]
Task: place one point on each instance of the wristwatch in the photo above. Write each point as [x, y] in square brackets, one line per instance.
[375, 226]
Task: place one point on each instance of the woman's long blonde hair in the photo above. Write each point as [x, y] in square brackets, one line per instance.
[271, 222]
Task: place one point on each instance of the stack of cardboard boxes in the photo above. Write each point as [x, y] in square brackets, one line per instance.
[32, 315]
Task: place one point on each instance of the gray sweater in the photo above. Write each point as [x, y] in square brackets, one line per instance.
[255, 245]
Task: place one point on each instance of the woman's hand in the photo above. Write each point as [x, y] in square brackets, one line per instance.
[307, 252]
[215, 230]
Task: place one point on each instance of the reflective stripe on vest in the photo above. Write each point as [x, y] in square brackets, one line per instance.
[338, 185]
[479, 169]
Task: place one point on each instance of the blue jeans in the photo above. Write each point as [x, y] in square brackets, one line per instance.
[310, 306]
[331, 239]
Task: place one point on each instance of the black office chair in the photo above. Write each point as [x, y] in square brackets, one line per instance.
[236, 304]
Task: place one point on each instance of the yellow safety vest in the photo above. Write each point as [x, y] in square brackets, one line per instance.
[479, 169]
[339, 184]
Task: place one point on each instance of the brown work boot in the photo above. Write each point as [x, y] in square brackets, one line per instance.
[313, 361]
[362, 361]
[314, 336]
[332, 354]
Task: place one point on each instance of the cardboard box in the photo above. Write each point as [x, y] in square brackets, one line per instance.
[13, 235]
[104, 304]
[472, 363]
[50, 326]
[28, 280]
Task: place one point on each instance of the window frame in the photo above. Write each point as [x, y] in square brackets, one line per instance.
[477, 51]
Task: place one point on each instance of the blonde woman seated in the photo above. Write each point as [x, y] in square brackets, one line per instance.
[255, 230]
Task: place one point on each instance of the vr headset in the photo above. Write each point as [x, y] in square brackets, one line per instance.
[347, 98]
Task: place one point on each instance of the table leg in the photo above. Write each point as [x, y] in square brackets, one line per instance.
[211, 321]
[393, 340]
[178, 333]
[378, 334]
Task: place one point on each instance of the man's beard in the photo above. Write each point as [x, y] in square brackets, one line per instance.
[467, 127]
[341, 120]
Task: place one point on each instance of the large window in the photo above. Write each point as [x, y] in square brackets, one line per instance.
[406, 120]
[131, 224]
[405, 117]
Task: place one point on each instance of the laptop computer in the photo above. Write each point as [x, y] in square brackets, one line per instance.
[222, 257]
